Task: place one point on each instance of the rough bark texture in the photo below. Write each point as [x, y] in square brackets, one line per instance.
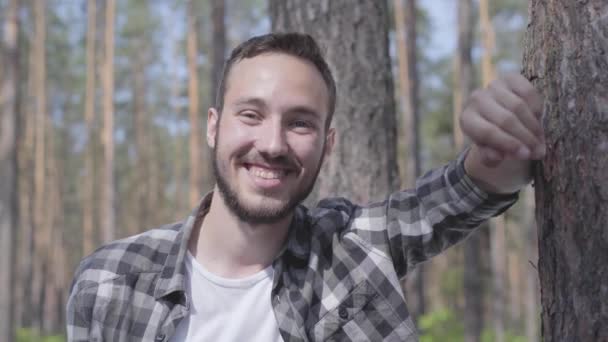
[566, 57]
[8, 168]
[354, 36]
[463, 68]
[530, 275]
[497, 233]
[195, 131]
[89, 114]
[219, 44]
[463, 84]
[405, 29]
[40, 168]
[108, 229]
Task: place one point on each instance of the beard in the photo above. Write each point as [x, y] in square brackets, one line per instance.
[261, 214]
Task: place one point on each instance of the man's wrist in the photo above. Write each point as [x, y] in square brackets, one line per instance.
[509, 176]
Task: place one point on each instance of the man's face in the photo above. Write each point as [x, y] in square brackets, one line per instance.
[270, 140]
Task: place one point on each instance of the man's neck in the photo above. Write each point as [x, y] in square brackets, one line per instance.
[231, 248]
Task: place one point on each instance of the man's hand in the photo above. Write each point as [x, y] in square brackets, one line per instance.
[503, 123]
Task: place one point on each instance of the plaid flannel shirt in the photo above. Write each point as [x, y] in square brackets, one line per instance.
[337, 279]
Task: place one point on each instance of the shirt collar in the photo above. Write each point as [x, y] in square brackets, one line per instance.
[172, 276]
[173, 273]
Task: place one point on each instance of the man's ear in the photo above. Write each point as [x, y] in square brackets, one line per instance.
[213, 118]
[330, 140]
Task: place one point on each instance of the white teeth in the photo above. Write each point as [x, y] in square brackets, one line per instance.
[266, 174]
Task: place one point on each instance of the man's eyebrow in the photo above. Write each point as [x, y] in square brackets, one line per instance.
[255, 101]
[305, 110]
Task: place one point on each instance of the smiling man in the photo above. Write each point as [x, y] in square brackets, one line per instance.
[252, 264]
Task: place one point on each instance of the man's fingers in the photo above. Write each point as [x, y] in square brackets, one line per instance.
[485, 133]
[509, 123]
[524, 89]
[511, 102]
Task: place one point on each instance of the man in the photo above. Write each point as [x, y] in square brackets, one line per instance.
[251, 263]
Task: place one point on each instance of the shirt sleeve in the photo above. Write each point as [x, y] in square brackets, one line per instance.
[414, 225]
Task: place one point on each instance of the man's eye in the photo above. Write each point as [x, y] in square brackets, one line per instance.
[302, 124]
[250, 116]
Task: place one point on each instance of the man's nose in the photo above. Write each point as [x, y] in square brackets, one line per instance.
[272, 140]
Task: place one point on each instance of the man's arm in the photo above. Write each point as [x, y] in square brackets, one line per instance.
[448, 203]
[503, 123]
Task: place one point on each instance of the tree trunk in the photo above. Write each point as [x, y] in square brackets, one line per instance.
[27, 168]
[89, 114]
[219, 45]
[193, 110]
[354, 35]
[218, 56]
[49, 234]
[565, 56]
[497, 233]
[140, 212]
[463, 68]
[8, 174]
[40, 168]
[463, 85]
[108, 228]
[530, 274]
[405, 27]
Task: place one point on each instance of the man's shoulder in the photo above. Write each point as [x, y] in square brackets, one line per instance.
[142, 253]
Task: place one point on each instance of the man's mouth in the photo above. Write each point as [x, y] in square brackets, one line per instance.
[265, 173]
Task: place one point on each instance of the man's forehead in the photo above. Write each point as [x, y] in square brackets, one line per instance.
[274, 72]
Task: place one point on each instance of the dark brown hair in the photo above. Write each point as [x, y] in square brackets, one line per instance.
[294, 44]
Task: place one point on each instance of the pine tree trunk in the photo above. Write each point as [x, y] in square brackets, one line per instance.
[193, 110]
[49, 234]
[27, 168]
[219, 45]
[531, 313]
[565, 56]
[141, 213]
[463, 85]
[40, 184]
[108, 228]
[497, 232]
[354, 36]
[89, 114]
[8, 172]
[405, 27]
[218, 56]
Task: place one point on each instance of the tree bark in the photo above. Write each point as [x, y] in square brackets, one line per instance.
[8, 171]
[219, 45]
[354, 36]
[108, 228]
[89, 114]
[463, 86]
[497, 233]
[27, 168]
[193, 108]
[405, 27]
[531, 312]
[40, 167]
[565, 56]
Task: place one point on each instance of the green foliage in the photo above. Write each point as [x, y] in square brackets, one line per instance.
[441, 325]
[28, 335]
[489, 336]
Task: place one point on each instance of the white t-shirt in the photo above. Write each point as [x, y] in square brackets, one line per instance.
[223, 309]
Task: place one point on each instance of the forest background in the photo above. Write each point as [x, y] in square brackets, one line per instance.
[111, 102]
